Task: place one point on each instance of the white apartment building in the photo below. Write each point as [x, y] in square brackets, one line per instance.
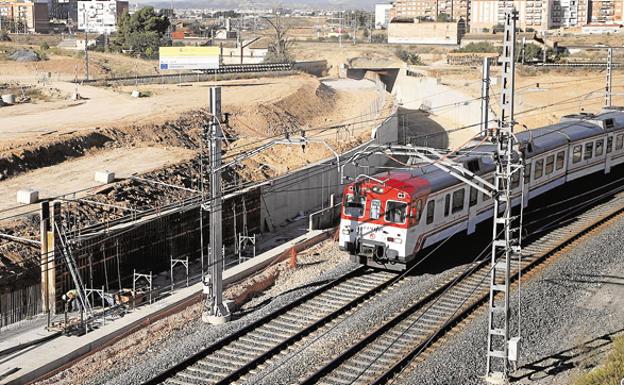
[381, 15]
[100, 16]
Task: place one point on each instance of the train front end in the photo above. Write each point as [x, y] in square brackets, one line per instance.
[377, 225]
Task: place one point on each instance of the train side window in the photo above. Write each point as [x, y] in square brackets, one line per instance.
[447, 205]
[375, 209]
[430, 211]
[396, 211]
[419, 209]
[527, 172]
[619, 142]
[515, 179]
[599, 147]
[473, 196]
[589, 150]
[577, 153]
[560, 160]
[486, 197]
[609, 144]
[550, 164]
[539, 169]
[458, 200]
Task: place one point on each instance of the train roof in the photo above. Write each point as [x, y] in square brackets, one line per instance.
[541, 140]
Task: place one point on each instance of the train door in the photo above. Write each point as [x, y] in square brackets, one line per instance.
[472, 210]
[609, 152]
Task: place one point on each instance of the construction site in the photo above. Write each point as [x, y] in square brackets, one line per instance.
[190, 228]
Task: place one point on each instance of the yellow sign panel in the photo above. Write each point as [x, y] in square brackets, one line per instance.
[189, 58]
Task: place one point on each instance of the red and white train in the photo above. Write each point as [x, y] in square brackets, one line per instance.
[399, 213]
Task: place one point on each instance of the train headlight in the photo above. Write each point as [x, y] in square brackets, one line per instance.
[346, 231]
[398, 241]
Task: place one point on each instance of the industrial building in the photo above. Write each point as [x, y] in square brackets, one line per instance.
[424, 32]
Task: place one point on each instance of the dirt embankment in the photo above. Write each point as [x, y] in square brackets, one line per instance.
[312, 104]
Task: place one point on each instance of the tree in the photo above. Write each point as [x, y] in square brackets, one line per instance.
[444, 18]
[278, 49]
[532, 52]
[144, 29]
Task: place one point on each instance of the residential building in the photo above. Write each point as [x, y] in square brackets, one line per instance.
[430, 9]
[24, 17]
[381, 15]
[532, 14]
[64, 10]
[100, 16]
[605, 12]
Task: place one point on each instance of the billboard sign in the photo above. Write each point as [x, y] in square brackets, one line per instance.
[188, 58]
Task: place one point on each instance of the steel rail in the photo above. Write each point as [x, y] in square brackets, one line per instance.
[405, 342]
[224, 69]
[386, 279]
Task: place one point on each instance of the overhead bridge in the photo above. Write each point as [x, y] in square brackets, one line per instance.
[386, 75]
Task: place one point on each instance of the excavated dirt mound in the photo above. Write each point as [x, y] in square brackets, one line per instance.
[305, 107]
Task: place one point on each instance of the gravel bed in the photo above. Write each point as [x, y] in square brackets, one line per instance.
[326, 264]
[293, 365]
[574, 301]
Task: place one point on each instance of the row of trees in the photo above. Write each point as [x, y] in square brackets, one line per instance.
[144, 31]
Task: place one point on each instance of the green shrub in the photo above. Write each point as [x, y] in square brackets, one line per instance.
[481, 46]
[409, 57]
[44, 46]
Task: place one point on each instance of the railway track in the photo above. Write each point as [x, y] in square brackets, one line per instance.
[384, 352]
[236, 355]
[204, 75]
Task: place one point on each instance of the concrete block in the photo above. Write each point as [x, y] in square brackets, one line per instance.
[136, 94]
[27, 196]
[104, 176]
[8, 99]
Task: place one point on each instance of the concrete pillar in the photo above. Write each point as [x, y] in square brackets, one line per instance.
[44, 228]
[54, 253]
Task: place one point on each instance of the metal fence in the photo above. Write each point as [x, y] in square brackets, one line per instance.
[20, 304]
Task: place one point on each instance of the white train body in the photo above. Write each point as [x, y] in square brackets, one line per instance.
[414, 209]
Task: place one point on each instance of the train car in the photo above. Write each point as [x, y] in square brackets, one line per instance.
[388, 218]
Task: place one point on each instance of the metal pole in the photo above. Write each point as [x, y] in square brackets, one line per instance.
[609, 87]
[216, 312]
[340, 30]
[485, 96]
[507, 229]
[86, 44]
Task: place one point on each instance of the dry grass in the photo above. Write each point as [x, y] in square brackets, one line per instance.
[612, 372]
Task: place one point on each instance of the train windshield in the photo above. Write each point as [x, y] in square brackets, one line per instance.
[396, 212]
[354, 208]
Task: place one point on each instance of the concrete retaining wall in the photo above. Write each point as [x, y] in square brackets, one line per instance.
[310, 188]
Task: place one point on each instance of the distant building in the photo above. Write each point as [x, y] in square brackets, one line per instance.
[417, 32]
[22, 16]
[532, 14]
[538, 15]
[430, 9]
[63, 9]
[100, 16]
[381, 15]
